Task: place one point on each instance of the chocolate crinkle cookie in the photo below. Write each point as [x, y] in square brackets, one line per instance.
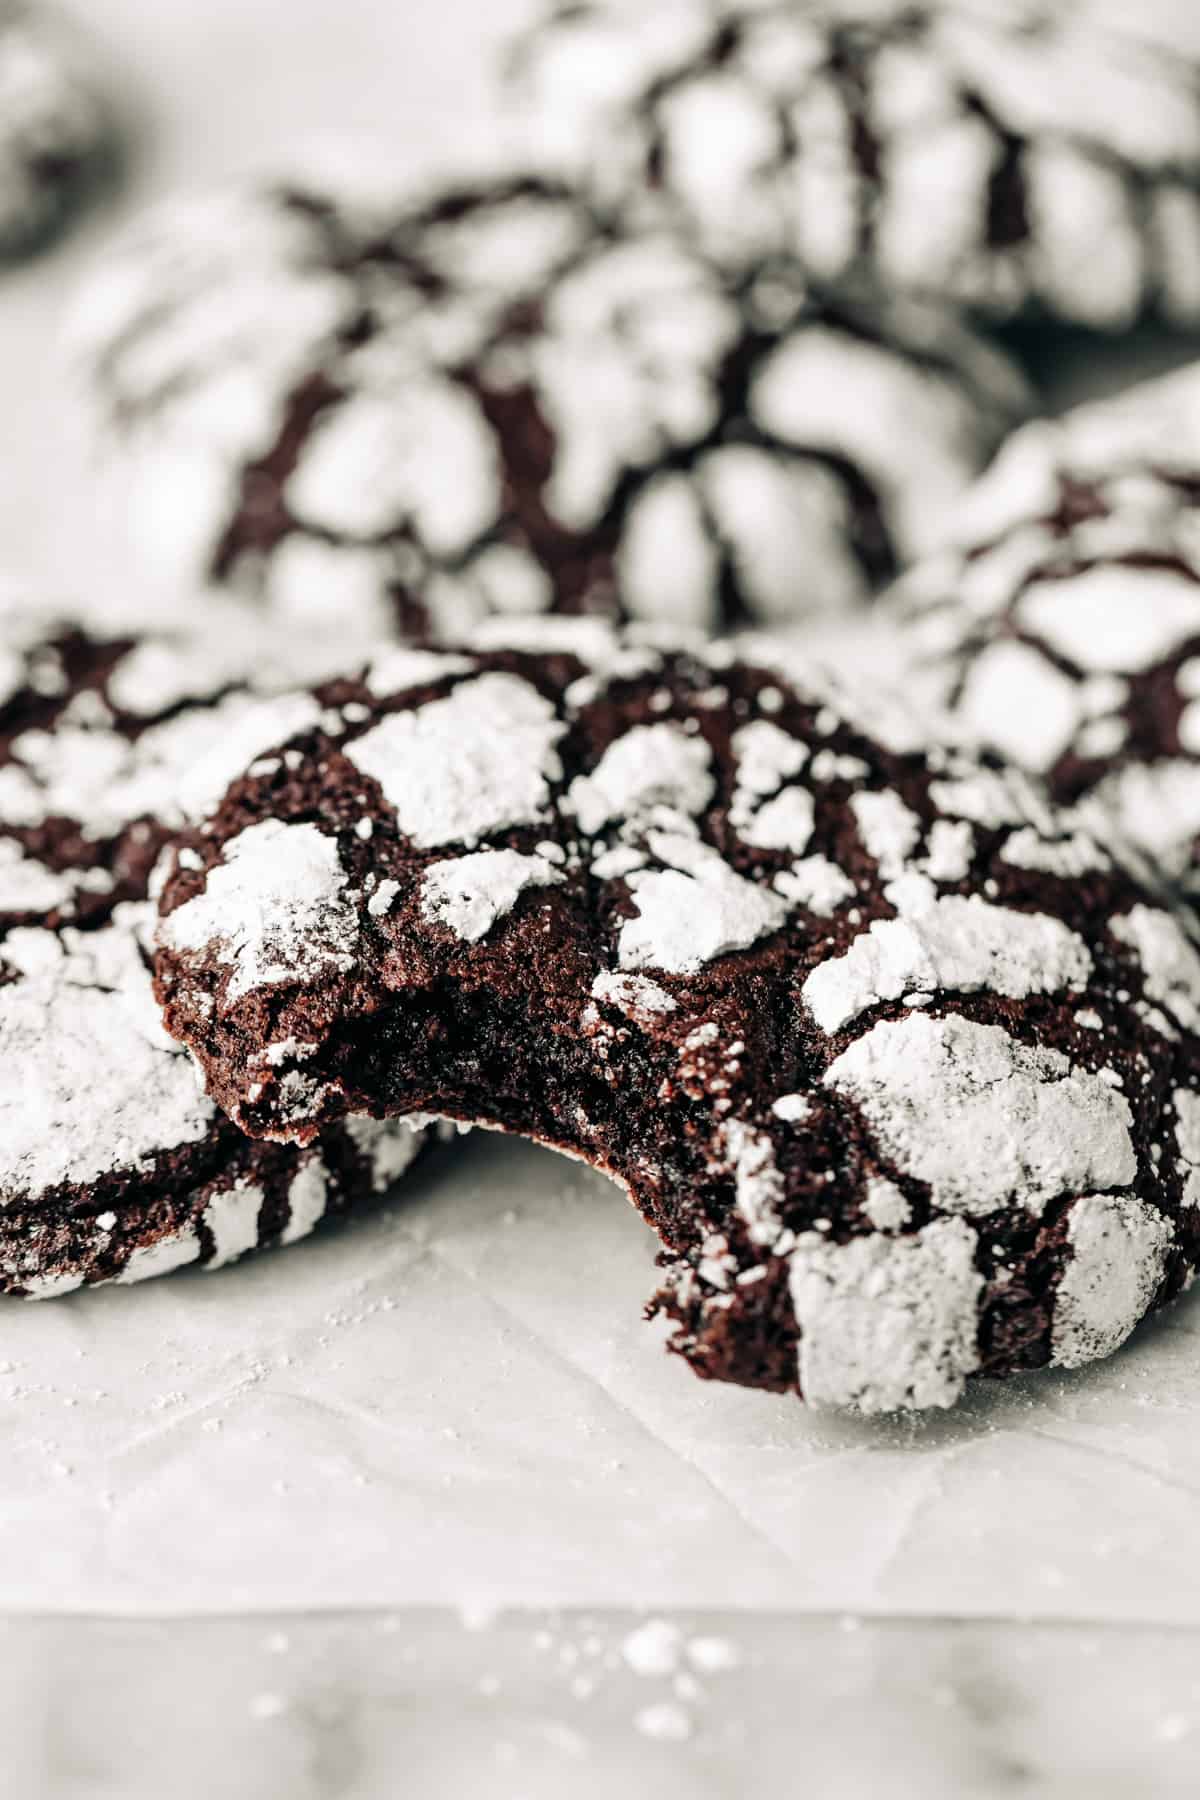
[58, 136]
[1037, 157]
[498, 401]
[896, 1060]
[1062, 626]
[113, 1164]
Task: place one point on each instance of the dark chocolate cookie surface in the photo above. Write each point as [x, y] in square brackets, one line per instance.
[1062, 627]
[57, 135]
[113, 1163]
[898, 1063]
[1034, 156]
[500, 401]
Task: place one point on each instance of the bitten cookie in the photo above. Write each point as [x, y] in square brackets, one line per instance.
[113, 1164]
[1034, 158]
[896, 1061]
[1063, 626]
[57, 137]
[500, 402]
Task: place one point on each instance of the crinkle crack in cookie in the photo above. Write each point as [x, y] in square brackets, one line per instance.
[1062, 629]
[899, 1065]
[1029, 157]
[57, 137]
[498, 402]
[113, 1164]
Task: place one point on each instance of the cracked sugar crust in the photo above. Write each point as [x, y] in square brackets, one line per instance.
[114, 1165]
[57, 135]
[505, 401]
[1035, 158]
[880, 1124]
[1062, 626]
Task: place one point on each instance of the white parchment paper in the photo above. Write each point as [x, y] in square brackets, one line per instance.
[455, 1399]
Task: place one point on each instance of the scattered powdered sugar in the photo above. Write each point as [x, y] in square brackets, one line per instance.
[381, 901]
[665, 1720]
[766, 758]
[793, 1109]
[889, 829]
[476, 762]
[782, 823]
[887, 1323]
[636, 995]
[885, 1204]
[815, 883]
[469, 893]
[1120, 1247]
[655, 1648]
[984, 1120]
[274, 910]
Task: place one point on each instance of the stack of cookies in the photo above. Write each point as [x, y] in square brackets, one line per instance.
[632, 669]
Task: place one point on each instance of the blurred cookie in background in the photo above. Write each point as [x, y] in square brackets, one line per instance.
[1062, 627]
[1019, 157]
[114, 1166]
[58, 134]
[500, 400]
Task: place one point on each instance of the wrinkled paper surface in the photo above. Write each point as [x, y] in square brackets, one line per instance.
[456, 1400]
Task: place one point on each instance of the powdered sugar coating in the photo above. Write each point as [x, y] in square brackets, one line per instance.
[1120, 1255]
[887, 1323]
[960, 943]
[473, 763]
[96, 1080]
[469, 893]
[651, 766]
[1063, 626]
[862, 1108]
[983, 1120]
[113, 1164]
[976, 152]
[277, 907]
[386, 420]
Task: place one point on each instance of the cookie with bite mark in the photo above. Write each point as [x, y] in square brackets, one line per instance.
[897, 1061]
